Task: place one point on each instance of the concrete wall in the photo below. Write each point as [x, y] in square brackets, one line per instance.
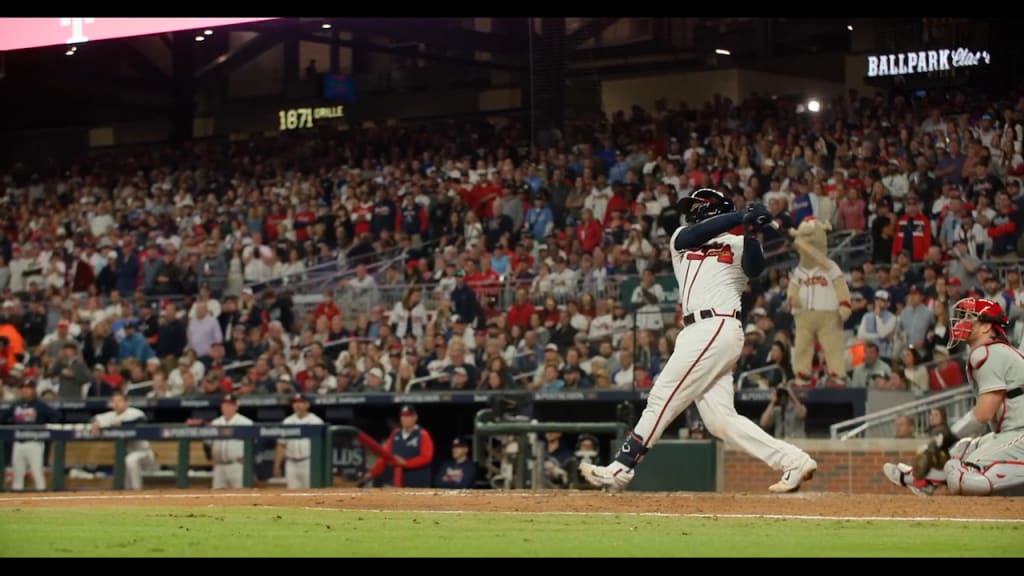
[696, 88]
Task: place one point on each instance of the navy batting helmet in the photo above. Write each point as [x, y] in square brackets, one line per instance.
[703, 204]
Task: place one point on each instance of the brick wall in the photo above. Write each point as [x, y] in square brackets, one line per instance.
[851, 466]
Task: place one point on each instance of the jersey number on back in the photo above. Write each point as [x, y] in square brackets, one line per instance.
[722, 252]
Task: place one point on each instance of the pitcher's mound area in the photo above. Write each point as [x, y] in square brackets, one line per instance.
[806, 504]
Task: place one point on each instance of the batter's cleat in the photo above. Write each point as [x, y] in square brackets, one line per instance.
[793, 477]
[613, 477]
[903, 475]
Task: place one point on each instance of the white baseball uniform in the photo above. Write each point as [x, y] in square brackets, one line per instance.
[27, 455]
[297, 453]
[816, 292]
[228, 455]
[995, 461]
[139, 455]
[711, 279]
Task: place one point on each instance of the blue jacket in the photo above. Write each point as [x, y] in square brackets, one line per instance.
[537, 222]
[456, 476]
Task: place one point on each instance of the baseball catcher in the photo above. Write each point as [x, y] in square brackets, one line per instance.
[983, 452]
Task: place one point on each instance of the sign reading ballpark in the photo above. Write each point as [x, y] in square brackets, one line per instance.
[925, 61]
[18, 33]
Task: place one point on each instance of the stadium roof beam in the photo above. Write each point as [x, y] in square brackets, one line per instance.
[430, 31]
[591, 29]
[234, 59]
[143, 65]
[404, 51]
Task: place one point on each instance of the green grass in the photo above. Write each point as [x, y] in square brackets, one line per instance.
[263, 532]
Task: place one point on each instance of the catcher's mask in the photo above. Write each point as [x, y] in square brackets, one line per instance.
[703, 204]
[967, 311]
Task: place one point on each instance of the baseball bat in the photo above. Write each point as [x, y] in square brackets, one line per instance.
[366, 440]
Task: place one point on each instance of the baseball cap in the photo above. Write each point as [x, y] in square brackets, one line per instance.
[882, 295]
[459, 443]
[299, 398]
[376, 372]
[461, 370]
[954, 281]
[229, 399]
[759, 311]
[63, 324]
[551, 347]
[407, 410]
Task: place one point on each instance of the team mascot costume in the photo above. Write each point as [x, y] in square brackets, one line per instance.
[820, 300]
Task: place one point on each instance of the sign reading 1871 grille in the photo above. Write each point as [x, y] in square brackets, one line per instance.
[925, 61]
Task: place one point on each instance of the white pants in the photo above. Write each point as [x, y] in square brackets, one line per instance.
[27, 456]
[135, 463]
[986, 464]
[227, 476]
[700, 370]
[296, 473]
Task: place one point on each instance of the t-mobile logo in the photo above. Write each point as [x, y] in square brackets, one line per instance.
[76, 28]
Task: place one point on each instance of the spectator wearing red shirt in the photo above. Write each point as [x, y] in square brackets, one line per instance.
[520, 312]
[851, 214]
[913, 232]
[485, 281]
[589, 232]
[616, 202]
[304, 221]
[944, 374]
[272, 221]
[327, 308]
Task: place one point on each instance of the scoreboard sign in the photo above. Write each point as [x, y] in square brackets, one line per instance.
[307, 117]
[925, 61]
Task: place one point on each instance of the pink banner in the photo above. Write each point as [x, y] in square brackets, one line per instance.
[17, 33]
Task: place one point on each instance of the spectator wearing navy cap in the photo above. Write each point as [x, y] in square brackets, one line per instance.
[413, 450]
[457, 472]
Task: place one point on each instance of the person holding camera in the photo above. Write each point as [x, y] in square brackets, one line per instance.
[786, 413]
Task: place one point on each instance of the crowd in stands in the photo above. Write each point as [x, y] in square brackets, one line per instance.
[169, 265]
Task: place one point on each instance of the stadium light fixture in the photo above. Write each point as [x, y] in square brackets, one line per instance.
[326, 26]
[208, 32]
[200, 38]
[849, 27]
[813, 105]
[723, 52]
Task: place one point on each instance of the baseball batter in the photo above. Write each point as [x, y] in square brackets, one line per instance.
[27, 455]
[139, 455]
[296, 452]
[228, 455]
[973, 462]
[712, 264]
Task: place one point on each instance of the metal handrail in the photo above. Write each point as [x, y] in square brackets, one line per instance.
[860, 424]
[744, 375]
